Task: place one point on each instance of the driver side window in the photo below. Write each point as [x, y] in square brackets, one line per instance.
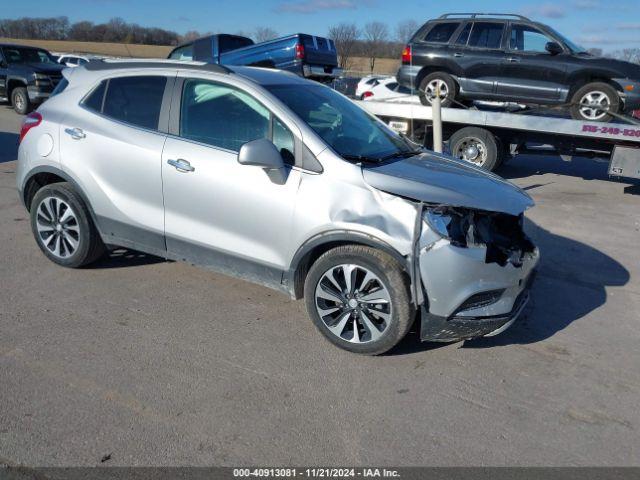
[225, 117]
[528, 39]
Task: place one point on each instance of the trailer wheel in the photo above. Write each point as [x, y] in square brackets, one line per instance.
[475, 145]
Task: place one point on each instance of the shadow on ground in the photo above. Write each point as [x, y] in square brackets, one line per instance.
[123, 258]
[571, 283]
[8, 147]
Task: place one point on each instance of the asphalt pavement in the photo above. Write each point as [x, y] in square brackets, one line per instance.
[148, 362]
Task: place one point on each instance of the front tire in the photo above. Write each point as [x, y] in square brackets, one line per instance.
[62, 227]
[443, 81]
[20, 101]
[358, 298]
[593, 101]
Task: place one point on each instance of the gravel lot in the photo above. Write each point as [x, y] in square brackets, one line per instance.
[159, 363]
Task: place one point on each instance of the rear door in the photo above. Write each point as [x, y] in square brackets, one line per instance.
[218, 213]
[479, 53]
[113, 144]
[528, 71]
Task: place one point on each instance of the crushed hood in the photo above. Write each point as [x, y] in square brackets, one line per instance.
[440, 180]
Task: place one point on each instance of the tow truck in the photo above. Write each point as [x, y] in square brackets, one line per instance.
[489, 137]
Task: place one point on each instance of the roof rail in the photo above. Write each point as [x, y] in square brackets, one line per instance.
[125, 63]
[475, 15]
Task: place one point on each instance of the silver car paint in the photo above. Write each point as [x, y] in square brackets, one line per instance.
[226, 207]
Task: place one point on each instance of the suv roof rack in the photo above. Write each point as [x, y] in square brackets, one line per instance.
[123, 63]
[475, 15]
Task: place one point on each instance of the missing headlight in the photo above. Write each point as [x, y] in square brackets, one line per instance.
[500, 233]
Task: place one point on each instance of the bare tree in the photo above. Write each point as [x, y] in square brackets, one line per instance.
[190, 35]
[405, 30]
[345, 36]
[262, 34]
[376, 35]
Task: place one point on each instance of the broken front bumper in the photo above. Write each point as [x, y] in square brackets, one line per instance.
[466, 294]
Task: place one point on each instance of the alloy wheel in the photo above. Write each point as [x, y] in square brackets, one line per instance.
[432, 88]
[353, 303]
[58, 228]
[595, 105]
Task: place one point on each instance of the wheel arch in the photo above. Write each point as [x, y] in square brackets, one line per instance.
[581, 79]
[41, 176]
[313, 248]
[12, 83]
[429, 69]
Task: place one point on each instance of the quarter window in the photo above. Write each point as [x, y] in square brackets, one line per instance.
[94, 100]
[486, 35]
[226, 117]
[441, 32]
[527, 39]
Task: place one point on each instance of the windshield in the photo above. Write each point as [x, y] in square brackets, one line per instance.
[27, 55]
[348, 129]
[574, 47]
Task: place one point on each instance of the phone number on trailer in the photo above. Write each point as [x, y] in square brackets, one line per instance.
[625, 132]
[316, 473]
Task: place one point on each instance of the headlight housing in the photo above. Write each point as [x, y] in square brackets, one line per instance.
[501, 234]
[449, 223]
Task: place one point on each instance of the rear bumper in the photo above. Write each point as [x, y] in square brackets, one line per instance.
[407, 75]
[315, 71]
[630, 93]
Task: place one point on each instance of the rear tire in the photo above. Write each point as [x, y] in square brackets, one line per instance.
[358, 297]
[585, 101]
[448, 89]
[20, 101]
[62, 226]
[477, 146]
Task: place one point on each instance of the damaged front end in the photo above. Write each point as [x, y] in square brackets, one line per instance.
[476, 268]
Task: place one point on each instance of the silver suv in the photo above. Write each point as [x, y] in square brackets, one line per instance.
[268, 177]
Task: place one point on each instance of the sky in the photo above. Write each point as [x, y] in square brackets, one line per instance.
[592, 23]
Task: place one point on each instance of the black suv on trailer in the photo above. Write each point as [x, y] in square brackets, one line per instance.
[513, 59]
[28, 75]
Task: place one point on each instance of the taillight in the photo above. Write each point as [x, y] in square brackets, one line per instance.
[299, 51]
[367, 95]
[636, 113]
[406, 54]
[30, 121]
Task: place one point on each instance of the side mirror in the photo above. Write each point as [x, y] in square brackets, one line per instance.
[553, 48]
[263, 153]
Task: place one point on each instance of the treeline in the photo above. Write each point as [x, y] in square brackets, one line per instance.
[115, 30]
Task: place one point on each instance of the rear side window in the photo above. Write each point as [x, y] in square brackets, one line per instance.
[133, 100]
[441, 32]
[227, 43]
[183, 53]
[486, 35]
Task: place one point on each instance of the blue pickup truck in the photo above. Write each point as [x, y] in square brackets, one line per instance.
[306, 55]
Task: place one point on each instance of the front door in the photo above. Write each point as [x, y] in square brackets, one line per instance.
[529, 72]
[220, 214]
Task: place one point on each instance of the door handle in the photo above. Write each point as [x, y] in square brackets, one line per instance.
[513, 59]
[181, 165]
[458, 54]
[75, 133]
